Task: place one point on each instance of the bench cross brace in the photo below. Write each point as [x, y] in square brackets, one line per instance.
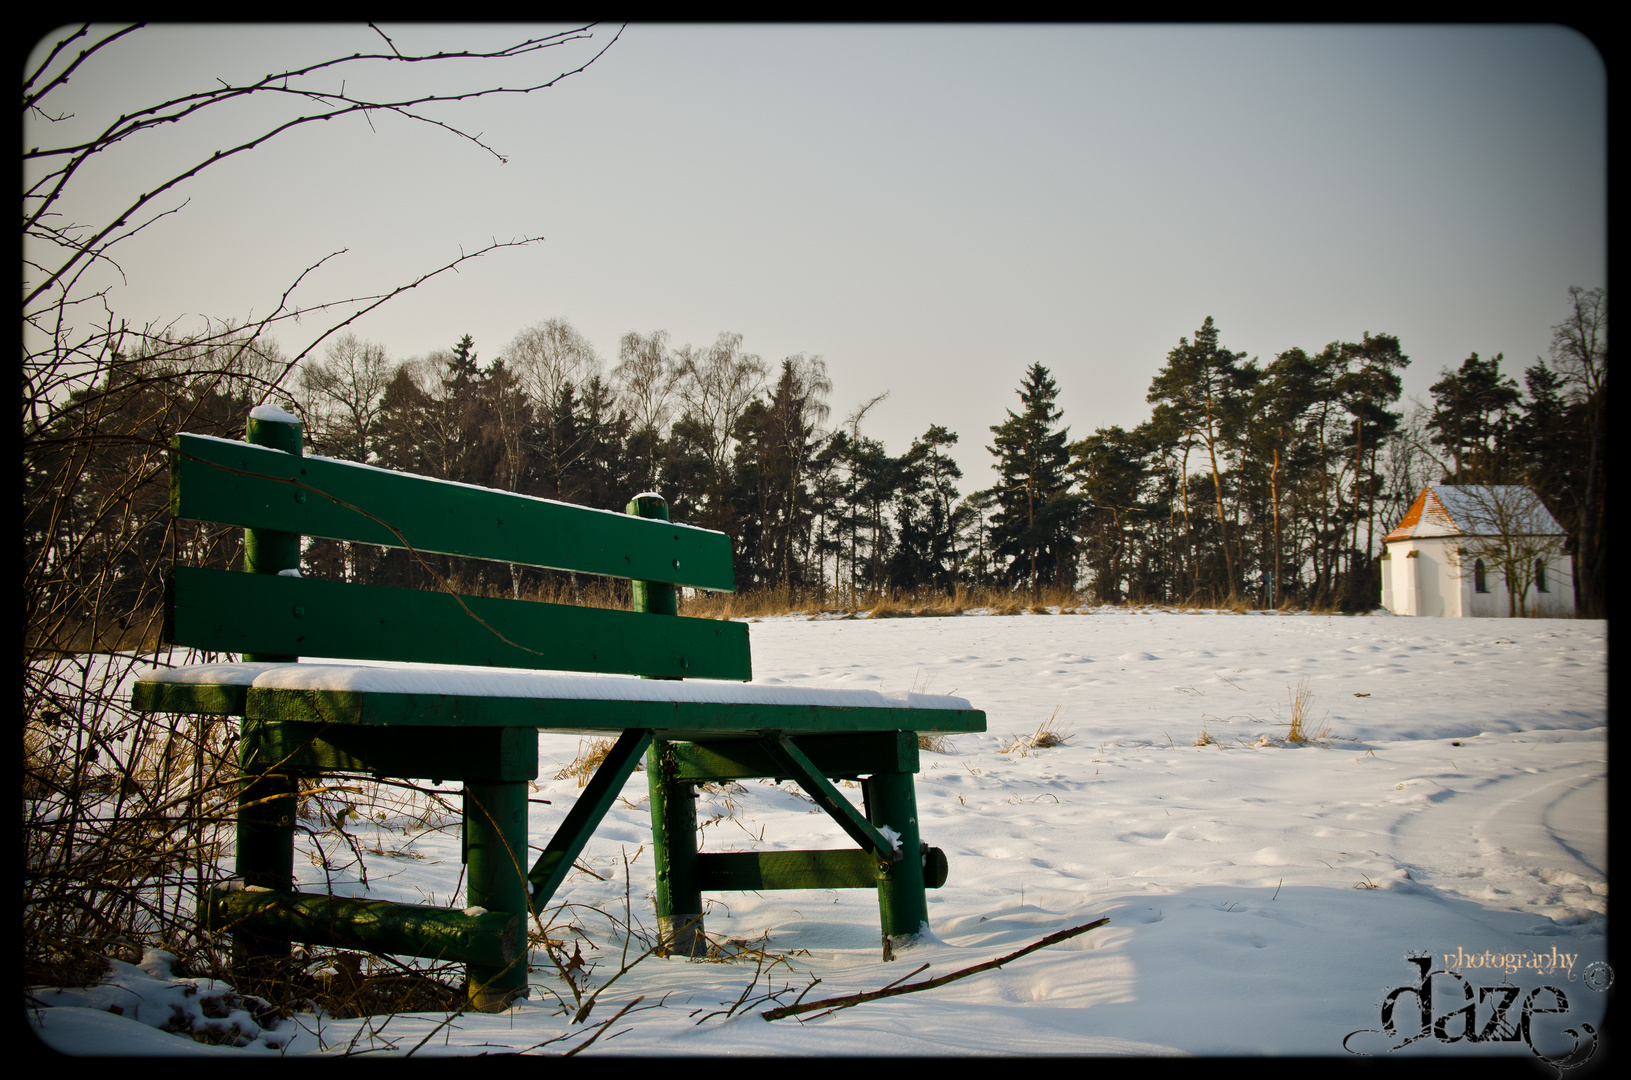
[597, 798]
[808, 776]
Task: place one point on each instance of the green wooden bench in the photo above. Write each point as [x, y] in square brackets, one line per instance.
[477, 723]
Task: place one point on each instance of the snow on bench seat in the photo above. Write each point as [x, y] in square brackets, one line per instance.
[505, 683]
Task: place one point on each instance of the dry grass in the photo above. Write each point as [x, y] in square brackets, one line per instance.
[578, 590]
[347, 985]
[588, 760]
[827, 601]
[876, 603]
[1045, 735]
[749, 604]
[1304, 728]
[880, 603]
[934, 744]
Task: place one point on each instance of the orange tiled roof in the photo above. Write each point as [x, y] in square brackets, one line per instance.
[1426, 517]
[1431, 513]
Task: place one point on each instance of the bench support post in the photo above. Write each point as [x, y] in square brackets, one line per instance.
[902, 905]
[673, 802]
[495, 830]
[674, 851]
[265, 858]
[266, 804]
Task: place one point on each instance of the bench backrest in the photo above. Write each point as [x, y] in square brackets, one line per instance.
[276, 495]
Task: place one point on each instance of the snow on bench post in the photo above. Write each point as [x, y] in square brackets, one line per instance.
[673, 803]
[269, 551]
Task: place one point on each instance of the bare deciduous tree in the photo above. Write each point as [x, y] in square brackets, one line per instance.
[546, 356]
[1509, 528]
[345, 395]
[552, 363]
[718, 383]
[646, 376]
[1580, 354]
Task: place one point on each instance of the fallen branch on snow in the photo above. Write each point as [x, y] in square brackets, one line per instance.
[893, 989]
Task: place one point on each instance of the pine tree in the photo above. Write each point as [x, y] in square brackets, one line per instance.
[1035, 523]
[1110, 473]
[928, 523]
[1203, 392]
[1370, 385]
[1281, 459]
[1474, 409]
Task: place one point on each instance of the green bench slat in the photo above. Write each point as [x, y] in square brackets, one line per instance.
[218, 699]
[307, 749]
[235, 483]
[673, 720]
[226, 611]
[834, 755]
[849, 868]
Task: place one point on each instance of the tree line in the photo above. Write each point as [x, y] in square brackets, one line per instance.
[1250, 484]
[735, 443]
[1274, 483]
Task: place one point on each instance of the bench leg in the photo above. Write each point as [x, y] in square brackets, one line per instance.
[265, 858]
[674, 850]
[902, 905]
[495, 830]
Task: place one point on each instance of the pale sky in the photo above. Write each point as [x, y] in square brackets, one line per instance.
[930, 208]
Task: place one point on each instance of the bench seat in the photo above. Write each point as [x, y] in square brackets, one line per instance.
[450, 696]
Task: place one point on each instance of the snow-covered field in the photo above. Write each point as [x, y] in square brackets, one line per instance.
[1263, 898]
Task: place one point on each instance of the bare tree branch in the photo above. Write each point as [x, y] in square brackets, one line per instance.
[894, 990]
[180, 108]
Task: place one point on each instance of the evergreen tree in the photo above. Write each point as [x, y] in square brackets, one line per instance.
[581, 446]
[1280, 458]
[927, 521]
[404, 407]
[826, 506]
[1474, 409]
[608, 480]
[1371, 383]
[1110, 473]
[688, 477]
[1035, 522]
[462, 370]
[874, 477]
[785, 440]
[1204, 389]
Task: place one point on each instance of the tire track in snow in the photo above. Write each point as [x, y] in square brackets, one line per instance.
[1531, 840]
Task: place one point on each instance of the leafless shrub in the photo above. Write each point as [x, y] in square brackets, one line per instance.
[127, 816]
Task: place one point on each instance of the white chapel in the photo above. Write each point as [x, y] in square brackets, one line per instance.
[1428, 569]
